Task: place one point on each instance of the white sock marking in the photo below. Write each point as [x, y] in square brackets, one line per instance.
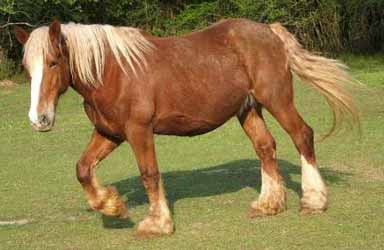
[310, 177]
[269, 186]
[266, 183]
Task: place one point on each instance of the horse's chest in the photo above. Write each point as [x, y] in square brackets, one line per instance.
[104, 120]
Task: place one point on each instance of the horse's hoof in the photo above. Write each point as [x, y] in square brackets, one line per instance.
[154, 227]
[307, 209]
[110, 204]
[263, 211]
[255, 213]
[311, 211]
[123, 214]
[313, 203]
[268, 207]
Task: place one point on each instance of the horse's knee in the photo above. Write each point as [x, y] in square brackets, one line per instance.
[150, 179]
[83, 172]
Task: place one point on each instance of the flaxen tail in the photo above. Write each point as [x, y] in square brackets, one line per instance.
[328, 76]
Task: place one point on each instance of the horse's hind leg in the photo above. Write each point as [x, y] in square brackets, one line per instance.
[104, 199]
[272, 196]
[314, 198]
[277, 98]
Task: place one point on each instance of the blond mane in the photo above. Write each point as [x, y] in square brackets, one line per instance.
[88, 45]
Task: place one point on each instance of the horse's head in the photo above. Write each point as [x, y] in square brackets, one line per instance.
[46, 60]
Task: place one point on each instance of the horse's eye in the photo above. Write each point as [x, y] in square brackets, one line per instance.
[52, 64]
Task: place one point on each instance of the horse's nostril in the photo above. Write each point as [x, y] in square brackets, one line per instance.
[43, 120]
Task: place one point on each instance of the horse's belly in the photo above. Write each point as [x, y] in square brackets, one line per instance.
[193, 116]
[184, 125]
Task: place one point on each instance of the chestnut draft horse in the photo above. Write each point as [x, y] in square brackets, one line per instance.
[136, 85]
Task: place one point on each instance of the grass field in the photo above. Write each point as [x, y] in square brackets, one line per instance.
[210, 181]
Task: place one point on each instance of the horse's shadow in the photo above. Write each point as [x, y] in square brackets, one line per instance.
[224, 178]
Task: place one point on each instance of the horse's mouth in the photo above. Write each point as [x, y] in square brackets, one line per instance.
[42, 128]
[44, 123]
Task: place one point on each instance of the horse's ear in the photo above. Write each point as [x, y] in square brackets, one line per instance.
[21, 35]
[55, 33]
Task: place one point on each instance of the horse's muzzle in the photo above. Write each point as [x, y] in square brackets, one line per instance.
[44, 123]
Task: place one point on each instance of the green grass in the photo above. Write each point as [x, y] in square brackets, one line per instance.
[210, 181]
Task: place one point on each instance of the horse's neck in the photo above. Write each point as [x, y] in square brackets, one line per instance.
[83, 90]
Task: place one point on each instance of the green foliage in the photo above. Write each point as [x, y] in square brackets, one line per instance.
[7, 67]
[194, 16]
[323, 25]
[363, 25]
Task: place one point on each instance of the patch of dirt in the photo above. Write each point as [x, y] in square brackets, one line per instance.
[14, 222]
[7, 83]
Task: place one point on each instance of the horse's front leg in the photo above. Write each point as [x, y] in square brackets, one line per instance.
[104, 199]
[158, 221]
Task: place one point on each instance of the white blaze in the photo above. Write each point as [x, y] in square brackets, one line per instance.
[36, 72]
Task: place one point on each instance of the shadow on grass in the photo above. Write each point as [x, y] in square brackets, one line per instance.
[224, 178]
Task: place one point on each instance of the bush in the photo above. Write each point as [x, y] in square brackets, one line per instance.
[363, 25]
[7, 66]
[325, 25]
